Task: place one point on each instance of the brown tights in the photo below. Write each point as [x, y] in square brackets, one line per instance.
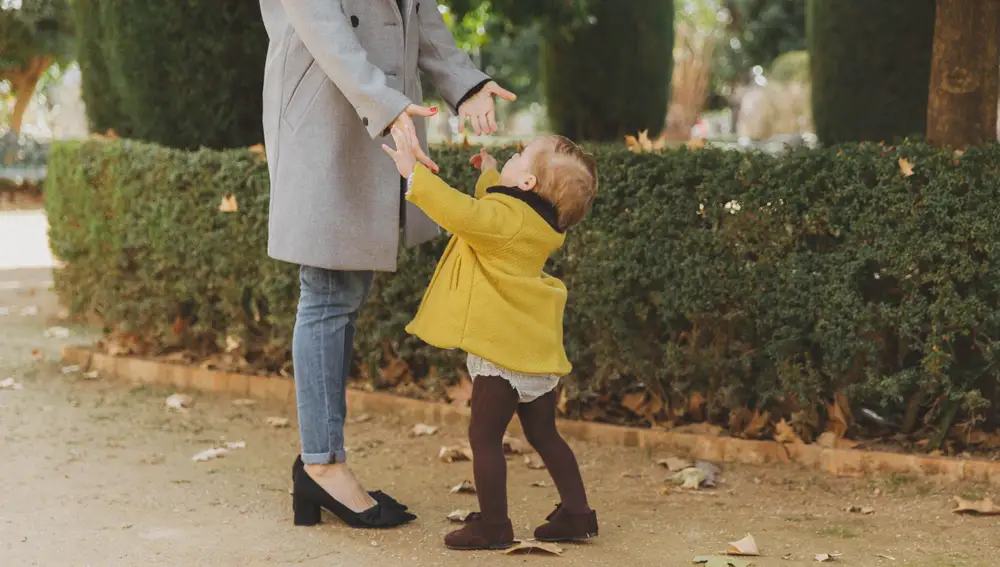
[494, 402]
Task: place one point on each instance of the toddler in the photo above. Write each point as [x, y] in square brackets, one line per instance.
[490, 298]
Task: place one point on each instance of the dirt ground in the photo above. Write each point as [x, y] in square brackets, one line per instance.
[96, 473]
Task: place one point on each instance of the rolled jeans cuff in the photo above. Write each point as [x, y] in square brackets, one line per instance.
[325, 458]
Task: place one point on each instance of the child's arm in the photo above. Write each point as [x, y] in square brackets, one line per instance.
[489, 177]
[483, 223]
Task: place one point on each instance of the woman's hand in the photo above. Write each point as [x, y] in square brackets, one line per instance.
[480, 109]
[407, 147]
[483, 161]
[405, 122]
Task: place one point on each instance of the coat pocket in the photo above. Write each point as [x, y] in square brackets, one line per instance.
[302, 95]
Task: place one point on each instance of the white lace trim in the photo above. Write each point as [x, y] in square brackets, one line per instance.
[529, 386]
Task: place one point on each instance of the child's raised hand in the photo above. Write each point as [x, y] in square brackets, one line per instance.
[483, 160]
[407, 150]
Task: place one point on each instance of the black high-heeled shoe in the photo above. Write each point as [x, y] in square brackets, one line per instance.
[309, 498]
[377, 495]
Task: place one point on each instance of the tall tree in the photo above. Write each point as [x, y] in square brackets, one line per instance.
[965, 73]
[870, 67]
[606, 64]
[34, 34]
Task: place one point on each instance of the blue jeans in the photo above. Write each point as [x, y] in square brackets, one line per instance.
[322, 349]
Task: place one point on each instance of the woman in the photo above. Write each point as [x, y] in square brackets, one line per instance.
[339, 75]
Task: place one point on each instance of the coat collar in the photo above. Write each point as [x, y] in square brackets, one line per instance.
[543, 208]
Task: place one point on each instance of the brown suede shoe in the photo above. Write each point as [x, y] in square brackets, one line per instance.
[563, 526]
[477, 534]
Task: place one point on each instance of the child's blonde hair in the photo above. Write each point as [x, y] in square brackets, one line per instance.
[567, 178]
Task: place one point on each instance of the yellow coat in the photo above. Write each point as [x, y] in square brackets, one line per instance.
[489, 295]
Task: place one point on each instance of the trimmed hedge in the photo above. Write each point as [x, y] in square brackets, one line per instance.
[751, 280]
[871, 68]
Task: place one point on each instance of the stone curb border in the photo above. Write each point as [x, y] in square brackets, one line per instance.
[841, 462]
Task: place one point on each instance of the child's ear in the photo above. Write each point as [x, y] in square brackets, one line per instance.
[528, 183]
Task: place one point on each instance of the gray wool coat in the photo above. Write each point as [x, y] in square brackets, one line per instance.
[338, 73]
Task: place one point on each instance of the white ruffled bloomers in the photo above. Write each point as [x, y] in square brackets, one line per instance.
[529, 387]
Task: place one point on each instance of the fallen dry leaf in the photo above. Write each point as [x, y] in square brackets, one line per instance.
[10, 384]
[674, 464]
[516, 446]
[634, 401]
[757, 424]
[631, 475]
[455, 453]
[361, 418]
[884, 556]
[745, 546]
[179, 402]
[460, 393]
[539, 484]
[689, 478]
[530, 546]
[229, 204]
[696, 143]
[92, 375]
[459, 515]
[56, 333]
[824, 557]
[209, 454]
[534, 462]
[984, 507]
[236, 445]
[422, 430]
[71, 369]
[905, 167]
[722, 561]
[866, 510]
[464, 487]
[783, 433]
[277, 422]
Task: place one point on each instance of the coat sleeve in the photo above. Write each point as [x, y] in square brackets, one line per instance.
[489, 178]
[483, 223]
[330, 39]
[447, 66]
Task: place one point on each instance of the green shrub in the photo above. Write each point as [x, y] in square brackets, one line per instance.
[871, 68]
[611, 78]
[187, 73]
[104, 110]
[753, 280]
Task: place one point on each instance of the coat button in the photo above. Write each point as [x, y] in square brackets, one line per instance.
[364, 121]
[355, 21]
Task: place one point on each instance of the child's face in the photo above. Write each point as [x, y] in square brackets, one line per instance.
[517, 171]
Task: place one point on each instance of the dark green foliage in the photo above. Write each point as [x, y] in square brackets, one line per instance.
[871, 66]
[38, 28]
[104, 109]
[187, 73]
[768, 28]
[753, 280]
[611, 78]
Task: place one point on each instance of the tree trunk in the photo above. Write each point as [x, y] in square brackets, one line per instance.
[965, 76]
[23, 82]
